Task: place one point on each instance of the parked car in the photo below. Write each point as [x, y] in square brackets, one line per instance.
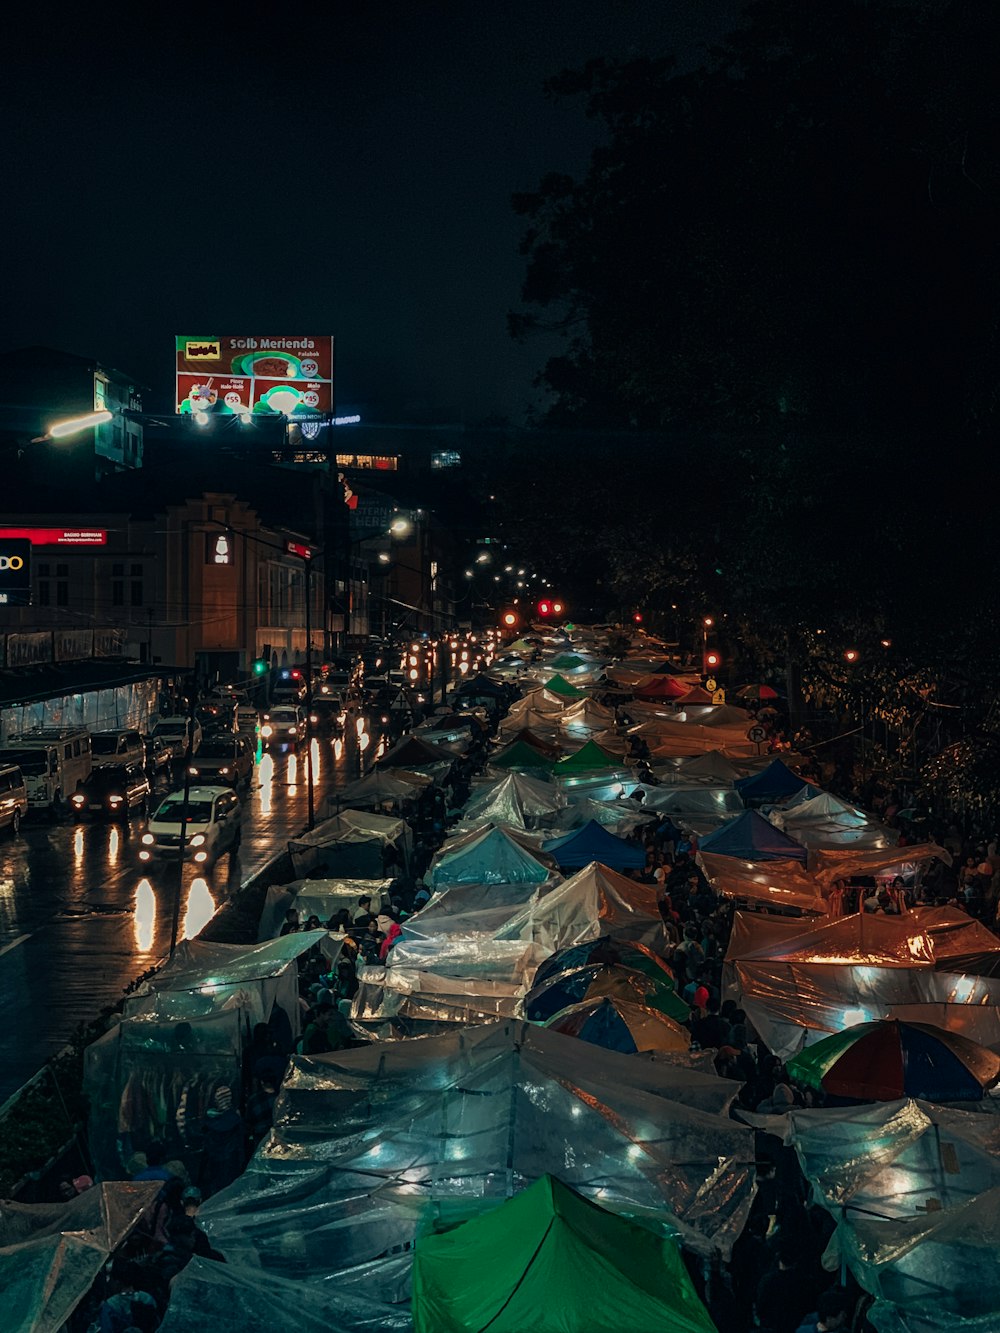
[216, 715]
[214, 826]
[284, 725]
[174, 731]
[159, 755]
[13, 797]
[112, 749]
[112, 792]
[224, 759]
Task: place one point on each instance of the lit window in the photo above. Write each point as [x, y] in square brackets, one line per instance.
[218, 548]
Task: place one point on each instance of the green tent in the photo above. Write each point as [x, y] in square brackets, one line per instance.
[552, 1262]
[561, 686]
[568, 662]
[522, 755]
[588, 760]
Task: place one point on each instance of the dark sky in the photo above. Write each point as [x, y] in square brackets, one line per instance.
[343, 167]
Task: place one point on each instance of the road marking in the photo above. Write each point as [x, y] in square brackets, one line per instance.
[15, 942]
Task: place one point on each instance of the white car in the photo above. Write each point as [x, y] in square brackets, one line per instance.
[174, 731]
[214, 826]
[284, 725]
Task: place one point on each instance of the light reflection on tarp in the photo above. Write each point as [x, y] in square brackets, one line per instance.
[144, 917]
[200, 909]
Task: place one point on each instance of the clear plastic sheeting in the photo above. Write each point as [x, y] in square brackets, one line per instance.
[318, 897]
[518, 800]
[831, 864]
[392, 1003]
[777, 884]
[463, 916]
[595, 901]
[896, 1159]
[823, 821]
[203, 979]
[476, 1115]
[699, 801]
[932, 1274]
[152, 1081]
[381, 790]
[490, 855]
[351, 844]
[622, 817]
[51, 1254]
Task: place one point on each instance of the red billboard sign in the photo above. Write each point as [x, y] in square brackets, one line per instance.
[263, 375]
[58, 536]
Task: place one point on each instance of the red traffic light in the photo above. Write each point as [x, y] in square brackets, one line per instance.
[544, 608]
[637, 617]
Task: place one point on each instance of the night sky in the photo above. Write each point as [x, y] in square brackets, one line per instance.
[344, 168]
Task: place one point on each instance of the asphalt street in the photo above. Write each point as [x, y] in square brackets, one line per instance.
[80, 918]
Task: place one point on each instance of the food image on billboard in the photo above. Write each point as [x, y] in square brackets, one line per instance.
[265, 376]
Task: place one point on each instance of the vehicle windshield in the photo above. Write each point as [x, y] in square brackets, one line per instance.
[284, 715]
[28, 761]
[170, 729]
[199, 812]
[104, 744]
[106, 778]
[216, 750]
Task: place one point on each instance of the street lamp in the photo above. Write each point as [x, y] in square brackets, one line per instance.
[61, 430]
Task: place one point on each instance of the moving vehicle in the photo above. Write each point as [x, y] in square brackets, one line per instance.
[113, 748]
[223, 759]
[214, 826]
[216, 715]
[112, 792]
[247, 720]
[174, 731]
[54, 763]
[159, 755]
[328, 715]
[13, 797]
[284, 725]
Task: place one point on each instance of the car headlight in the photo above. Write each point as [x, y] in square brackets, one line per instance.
[198, 840]
[201, 856]
[193, 771]
[148, 839]
[114, 800]
[78, 799]
[292, 731]
[313, 718]
[266, 731]
[223, 770]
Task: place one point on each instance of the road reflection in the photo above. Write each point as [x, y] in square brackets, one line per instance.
[200, 909]
[144, 916]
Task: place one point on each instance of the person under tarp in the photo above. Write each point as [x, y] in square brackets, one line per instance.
[551, 1261]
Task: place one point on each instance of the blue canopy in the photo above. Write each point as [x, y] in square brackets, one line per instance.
[773, 783]
[752, 838]
[593, 842]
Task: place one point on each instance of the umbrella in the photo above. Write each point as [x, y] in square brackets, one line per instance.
[600, 979]
[757, 692]
[626, 953]
[619, 1025]
[890, 1059]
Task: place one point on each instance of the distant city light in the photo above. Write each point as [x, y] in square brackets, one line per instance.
[347, 421]
[201, 418]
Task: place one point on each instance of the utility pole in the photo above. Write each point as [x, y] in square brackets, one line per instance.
[307, 570]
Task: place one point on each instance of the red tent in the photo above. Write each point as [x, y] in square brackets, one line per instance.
[661, 687]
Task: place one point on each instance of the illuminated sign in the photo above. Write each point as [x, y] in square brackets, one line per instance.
[369, 462]
[57, 536]
[260, 376]
[15, 572]
[299, 549]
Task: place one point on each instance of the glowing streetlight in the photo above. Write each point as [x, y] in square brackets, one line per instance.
[62, 429]
[400, 527]
[851, 655]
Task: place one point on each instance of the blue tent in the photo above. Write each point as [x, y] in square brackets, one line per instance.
[593, 842]
[773, 783]
[752, 838]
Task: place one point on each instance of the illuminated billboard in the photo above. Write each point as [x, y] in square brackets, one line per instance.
[255, 376]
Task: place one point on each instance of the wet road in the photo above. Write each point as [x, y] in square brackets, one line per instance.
[79, 917]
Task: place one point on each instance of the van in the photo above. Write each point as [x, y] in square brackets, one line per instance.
[13, 797]
[247, 720]
[174, 731]
[54, 764]
[110, 749]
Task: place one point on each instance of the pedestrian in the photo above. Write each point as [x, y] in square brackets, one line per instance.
[833, 1311]
[223, 1142]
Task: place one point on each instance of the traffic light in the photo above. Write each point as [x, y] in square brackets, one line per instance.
[712, 661]
[544, 608]
[509, 619]
[259, 667]
[637, 617]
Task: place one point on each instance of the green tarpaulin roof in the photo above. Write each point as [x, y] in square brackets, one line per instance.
[521, 755]
[590, 758]
[561, 686]
[550, 1261]
[568, 662]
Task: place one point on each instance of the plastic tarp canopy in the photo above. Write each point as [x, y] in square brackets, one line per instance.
[685, 739]
[548, 1259]
[204, 978]
[417, 754]
[590, 758]
[658, 687]
[150, 1080]
[595, 901]
[560, 686]
[51, 1254]
[523, 757]
[351, 843]
[490, 855]
[550, 748]
[711, 764]
[379, 788]
[773, 783]
[516, 799]
[456, 932]
[587, 716]
[751, 838]
[593, 842]
[622, 816]
[700, 801]
[932, 1274]
[438, 1116]
[961, 944]
[834, 863]
[401, 1002]
[597, 786]
[780, 884]
[895, 1159]
[318, 897]
[482, 685]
